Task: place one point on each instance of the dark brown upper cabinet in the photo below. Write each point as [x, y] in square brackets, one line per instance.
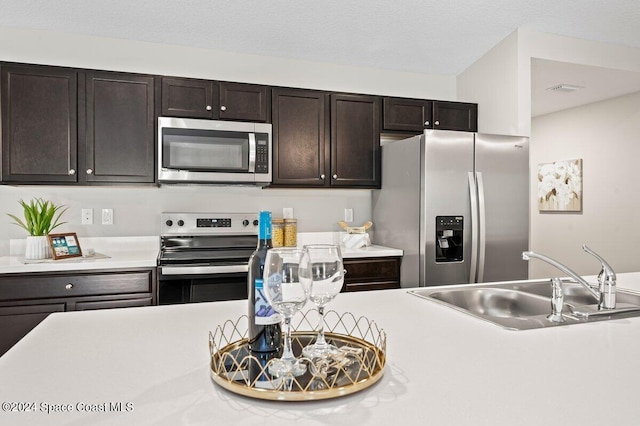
[300, 137]
[325, 140]
[117, 139]
[355, 141]
[185, 97]
[245, 102]
[39, 127]
[415, 115]
[409, 115]
[455, 116]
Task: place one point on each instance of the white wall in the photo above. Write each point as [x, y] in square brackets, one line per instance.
[492, 83]
[137, 209]
[605, 135]
[80, 51]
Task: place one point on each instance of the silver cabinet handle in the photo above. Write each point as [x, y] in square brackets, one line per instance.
[437, 123]
[223, 108]
[208, 108]
[426, 123]
[89, 171]
[68, 286]
[72, 172]
[335, 176]
[322, 176]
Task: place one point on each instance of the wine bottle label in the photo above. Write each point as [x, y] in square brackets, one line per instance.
[265, 314]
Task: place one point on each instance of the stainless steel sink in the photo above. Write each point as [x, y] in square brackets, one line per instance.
[524, 305]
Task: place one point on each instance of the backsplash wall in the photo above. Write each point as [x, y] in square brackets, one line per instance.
[136, 210]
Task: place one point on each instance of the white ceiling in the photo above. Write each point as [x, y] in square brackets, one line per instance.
[425, 36]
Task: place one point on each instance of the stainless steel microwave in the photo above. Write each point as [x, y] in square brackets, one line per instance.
[208, 151]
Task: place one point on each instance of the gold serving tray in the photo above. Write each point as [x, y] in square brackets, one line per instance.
[359, 364]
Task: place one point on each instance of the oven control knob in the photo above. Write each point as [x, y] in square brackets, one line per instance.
[180, 222]
[255, 222]
[245, 222]
[169, 222]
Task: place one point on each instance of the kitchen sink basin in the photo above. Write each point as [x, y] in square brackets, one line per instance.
[524, 305]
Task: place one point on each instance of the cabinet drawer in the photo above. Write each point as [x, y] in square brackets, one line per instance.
[372, 269]
[37, 286]
[110, 304]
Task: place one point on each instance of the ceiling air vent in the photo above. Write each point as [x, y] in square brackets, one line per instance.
[565, 88]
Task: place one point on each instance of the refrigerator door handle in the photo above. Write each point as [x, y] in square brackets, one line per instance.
[473, 198]
[483, 227]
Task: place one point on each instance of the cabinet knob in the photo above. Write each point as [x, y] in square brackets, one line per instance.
[209, 108]
[223, 108]
[437, 123]
[322, 176]
[89, 171]
[335, 176]
[426, 123]
[68, 286]
[72, 172]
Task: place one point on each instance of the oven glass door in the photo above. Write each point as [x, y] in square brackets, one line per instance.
[206, 150]
[173, 289]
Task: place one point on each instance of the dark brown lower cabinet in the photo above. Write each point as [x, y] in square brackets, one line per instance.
[27, 299]
[372, 273]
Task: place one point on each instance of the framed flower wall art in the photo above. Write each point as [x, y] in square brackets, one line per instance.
[560, 186]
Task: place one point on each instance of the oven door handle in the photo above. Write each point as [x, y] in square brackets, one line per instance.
[197, 270]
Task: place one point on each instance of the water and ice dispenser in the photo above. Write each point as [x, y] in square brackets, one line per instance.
[449, 239]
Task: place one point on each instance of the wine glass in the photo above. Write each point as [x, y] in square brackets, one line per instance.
[322, 272]
[286, 294]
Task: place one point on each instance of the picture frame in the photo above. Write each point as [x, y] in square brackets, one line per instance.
[64, 246]
[560, 186]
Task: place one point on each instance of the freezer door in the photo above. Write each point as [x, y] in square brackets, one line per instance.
[502, 173]
[445, 207]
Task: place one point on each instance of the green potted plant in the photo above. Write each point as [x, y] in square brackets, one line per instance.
[40, 218]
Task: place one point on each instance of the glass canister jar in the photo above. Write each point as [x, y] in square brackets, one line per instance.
[277, 232]
[290, 232]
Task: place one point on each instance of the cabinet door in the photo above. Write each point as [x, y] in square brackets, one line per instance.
[410, 115]
[300, 145]
[39, 136]
[355, 141]
[247, 102]
[455, 116]
[118, 139]
[183, 97]
[17, 321]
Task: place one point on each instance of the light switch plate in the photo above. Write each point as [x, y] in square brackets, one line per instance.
[287, 213]
[107, 216]
[348, 215]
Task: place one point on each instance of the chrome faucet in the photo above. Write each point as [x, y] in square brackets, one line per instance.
[606, 281]
[605, 294]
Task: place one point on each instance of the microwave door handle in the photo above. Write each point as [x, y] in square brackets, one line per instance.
[252, 152]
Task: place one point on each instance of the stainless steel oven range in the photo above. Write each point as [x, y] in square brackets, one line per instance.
[204, 256]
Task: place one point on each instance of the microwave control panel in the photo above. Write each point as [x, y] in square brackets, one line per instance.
[262, 153]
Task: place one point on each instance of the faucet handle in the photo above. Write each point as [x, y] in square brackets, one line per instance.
[607, 272]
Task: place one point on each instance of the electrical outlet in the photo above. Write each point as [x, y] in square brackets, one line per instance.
[348, 215]
[107, 216]
[87, 217]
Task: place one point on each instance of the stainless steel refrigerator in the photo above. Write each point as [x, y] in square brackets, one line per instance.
[457, 203]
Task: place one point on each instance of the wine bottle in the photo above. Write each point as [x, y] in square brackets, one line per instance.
[264, 322]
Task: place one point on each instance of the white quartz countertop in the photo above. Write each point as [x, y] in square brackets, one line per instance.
[142, 252]
[113, 253]
[443, 368]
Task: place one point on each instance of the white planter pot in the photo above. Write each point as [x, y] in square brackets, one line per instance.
[37, 248]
